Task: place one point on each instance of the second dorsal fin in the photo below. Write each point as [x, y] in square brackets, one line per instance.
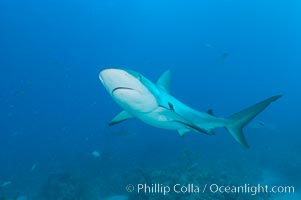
[210, 112]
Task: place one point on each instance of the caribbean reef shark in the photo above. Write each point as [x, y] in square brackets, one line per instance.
[153, 104]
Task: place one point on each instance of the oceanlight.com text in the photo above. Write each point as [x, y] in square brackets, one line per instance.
[163, 189]
[250, 189]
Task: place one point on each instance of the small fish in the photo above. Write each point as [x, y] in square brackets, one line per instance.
[96, 154]
[33, 167]
[22, 198]
[225, 56]
[261, 123]
[6, 183]
[208, 45]
[117, 197]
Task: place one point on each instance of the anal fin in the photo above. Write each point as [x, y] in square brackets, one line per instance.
[183, 131]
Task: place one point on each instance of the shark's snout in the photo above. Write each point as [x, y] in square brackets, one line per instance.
[127, 89]
[113, 78]
[108, 74]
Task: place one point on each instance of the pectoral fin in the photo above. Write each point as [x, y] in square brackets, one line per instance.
[120, 117]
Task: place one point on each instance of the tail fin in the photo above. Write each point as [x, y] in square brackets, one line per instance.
[239, 120]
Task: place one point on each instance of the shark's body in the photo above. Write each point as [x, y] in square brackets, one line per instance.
[153, 104]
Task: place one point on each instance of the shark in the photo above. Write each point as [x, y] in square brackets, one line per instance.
[153, 104]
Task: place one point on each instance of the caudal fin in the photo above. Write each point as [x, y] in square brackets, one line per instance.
[237, 121]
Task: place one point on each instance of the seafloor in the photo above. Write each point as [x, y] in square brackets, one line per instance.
[105, 179]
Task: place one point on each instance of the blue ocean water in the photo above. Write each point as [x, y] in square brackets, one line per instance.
[224, 55]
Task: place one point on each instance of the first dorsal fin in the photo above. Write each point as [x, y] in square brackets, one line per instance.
[120, 117]
[164, 81]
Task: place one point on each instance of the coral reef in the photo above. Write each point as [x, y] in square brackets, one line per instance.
[65, 186]
[191, 170]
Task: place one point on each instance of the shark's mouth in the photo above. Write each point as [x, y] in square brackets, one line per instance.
[121, 88]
